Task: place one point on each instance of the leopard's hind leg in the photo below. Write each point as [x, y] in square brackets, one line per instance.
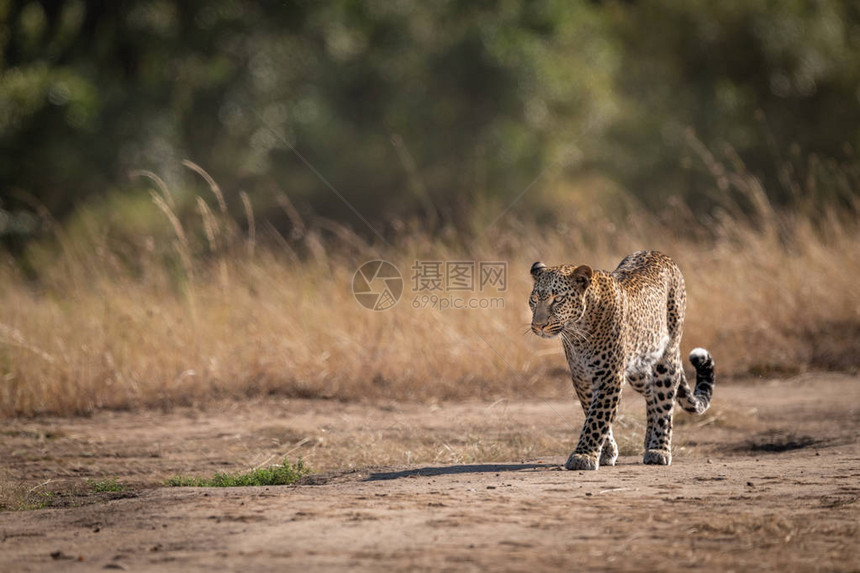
[660, 403]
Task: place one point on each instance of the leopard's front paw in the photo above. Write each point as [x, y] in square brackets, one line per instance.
[609, 454]
[658, 457]
[608, 457]
[582, 462]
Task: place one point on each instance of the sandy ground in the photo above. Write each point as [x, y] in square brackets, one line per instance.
[768, 480]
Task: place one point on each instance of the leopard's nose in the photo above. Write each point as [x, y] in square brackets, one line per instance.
[538, 328]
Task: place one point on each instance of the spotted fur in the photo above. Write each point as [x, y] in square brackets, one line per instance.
[624, 325]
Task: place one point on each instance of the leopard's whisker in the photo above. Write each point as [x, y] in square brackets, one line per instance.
[578, 333]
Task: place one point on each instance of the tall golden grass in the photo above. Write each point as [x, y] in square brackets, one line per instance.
[220, 312]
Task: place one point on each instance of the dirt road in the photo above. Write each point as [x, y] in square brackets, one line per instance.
[768, 481]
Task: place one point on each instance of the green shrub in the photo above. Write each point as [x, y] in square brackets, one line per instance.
[284, 474]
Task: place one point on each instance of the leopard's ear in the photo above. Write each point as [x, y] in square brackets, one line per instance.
[537, 269]
[582, 274]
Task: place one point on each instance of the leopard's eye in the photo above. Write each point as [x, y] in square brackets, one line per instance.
[533, 299]
[559, 300]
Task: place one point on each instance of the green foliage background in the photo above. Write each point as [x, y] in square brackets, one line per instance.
[424, 109]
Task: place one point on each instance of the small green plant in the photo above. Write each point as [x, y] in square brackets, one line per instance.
[283, 474]
[110, 484]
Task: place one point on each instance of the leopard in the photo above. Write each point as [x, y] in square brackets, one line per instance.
[616, 327]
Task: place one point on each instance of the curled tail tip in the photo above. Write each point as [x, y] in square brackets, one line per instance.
[700, 357]
[699, 400]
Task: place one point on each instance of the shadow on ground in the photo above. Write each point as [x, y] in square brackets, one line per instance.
[461, 469]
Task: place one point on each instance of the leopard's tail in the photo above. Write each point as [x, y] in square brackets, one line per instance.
[697, 401]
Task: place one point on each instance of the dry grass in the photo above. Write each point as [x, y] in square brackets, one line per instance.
[18, 495]
[220, 312]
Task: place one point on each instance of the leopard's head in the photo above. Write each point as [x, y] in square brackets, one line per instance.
[558, 296]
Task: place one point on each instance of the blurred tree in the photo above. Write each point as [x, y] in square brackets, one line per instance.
[405, 107]
[773, 82]
[411, 108]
